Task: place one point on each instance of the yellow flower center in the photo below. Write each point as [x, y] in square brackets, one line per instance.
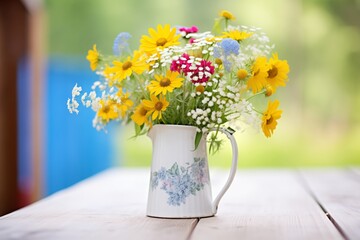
[126, 65]
[242, 74]
[123, 100]
[142, 111]
[269, 121]
[161, 42]
[158, 106]
[106, 109]
[200, 88]
[273, 72]
[165, 82]
[218, 61]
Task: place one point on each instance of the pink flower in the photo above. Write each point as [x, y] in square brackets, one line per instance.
[187, 30]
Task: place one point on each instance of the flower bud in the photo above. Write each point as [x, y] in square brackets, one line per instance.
[200, 88]
[269, 91]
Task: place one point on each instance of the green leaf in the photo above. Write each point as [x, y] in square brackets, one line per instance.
[198, 137]
[217, 26]
[215, 143]
[174, 171]
[137, 129]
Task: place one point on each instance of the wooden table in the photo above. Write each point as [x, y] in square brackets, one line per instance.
[261, 204]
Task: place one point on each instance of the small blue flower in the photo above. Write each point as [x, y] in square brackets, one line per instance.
[184, 186]
[120, 43]
[175, 199]
[225, 49]
[162, 173]
[230, 46]
[178, 185]
[217, 51]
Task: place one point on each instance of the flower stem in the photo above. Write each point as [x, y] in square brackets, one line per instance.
[141, 84]
[257, 94]
[261, 113]
[183, 105]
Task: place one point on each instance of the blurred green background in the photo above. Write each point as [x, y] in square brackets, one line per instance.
[320, 39]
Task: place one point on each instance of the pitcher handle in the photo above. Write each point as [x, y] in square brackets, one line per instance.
[230, 136]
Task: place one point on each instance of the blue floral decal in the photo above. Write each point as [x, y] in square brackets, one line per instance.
[180, 182]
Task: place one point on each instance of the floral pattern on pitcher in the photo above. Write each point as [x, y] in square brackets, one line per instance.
[179, 182]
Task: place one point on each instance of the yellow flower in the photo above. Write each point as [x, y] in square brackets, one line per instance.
[270, 117]
[122, 70]
[164, 84]
[93, 57]
[259, 69]
[109, 73]
[227, 15]
[213, 39]
[108, 110]
[236, 35]
[278, 72]
[156, 106]
[162, 38]
[125, 103]
[140, 115]
[242, 74]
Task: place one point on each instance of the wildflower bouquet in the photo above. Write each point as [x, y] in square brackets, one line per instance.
[185, 77]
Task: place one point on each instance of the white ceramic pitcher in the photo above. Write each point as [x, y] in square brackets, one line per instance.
[180, 183]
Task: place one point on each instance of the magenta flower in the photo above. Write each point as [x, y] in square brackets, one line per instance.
[181, 65]
[198, 72]
[203, 72]
[187, 30]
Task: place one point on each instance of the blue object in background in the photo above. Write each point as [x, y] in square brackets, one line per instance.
[74, 149]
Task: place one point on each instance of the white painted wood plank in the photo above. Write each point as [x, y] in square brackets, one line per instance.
[266, 204]
[108, 206]
[338, 191]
